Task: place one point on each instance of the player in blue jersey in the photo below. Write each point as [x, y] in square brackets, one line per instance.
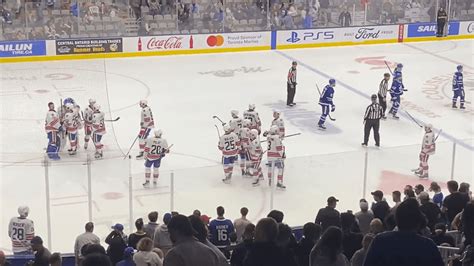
[396, 91]
[458, 87]
[220, 230]
[325, 101]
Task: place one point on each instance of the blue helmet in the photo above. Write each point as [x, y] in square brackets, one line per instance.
[459, 68]
[399, 65]
[332, 82]
[69, 100]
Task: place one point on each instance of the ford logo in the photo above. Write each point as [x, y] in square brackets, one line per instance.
[470, 27]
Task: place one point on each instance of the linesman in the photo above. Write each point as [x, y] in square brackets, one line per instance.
[383, 89]
[372, 116]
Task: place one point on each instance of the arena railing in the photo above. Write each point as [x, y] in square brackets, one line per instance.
[64, 195]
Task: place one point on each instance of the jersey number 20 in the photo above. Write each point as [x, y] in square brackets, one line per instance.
[155, 149]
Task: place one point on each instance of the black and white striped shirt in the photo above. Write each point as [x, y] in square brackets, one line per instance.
[373, 111]
[383, 88]
[292, 76]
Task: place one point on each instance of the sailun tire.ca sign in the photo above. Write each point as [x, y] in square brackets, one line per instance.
[22, 48]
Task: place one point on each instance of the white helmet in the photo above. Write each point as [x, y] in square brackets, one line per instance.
[273, 130]
[252, 106]
[23, 211]
[158, 133]
[143, 103]
[429, 126]
[246, 123]
[91, 101]
[69, 106]
[234, 113]
[226, 128]
[253, 133]
[276, 112]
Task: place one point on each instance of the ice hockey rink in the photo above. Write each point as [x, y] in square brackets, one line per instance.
[184, 93]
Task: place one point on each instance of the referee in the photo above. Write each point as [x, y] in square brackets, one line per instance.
[373, 113]
[383, 89]
[291, 85]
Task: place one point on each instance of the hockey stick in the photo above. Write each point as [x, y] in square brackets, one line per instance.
[112, 120]
[414, 120]
[439, 133]
[332, 119]
[216, 117]
[389, 69]
[286, 136]
[218, 133]
[131, 146]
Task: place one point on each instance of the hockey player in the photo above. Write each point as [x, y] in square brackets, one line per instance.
[229, 144]
[396, 90]
[53, 127]
[236, 122]
[87, 116]
[146, 125]
[21, 230]
[278, 122]
[458, 87]
[98, 130]
[155, 149]
[275, 156]
[428, 147]
[254, 118]
[326, 100]
[72, 123]
[244, 136]
[255, 155]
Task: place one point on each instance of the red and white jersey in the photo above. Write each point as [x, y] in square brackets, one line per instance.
[255, 150]
[244, 135]
[429, 145]
[52, 122]
[229, 144]
[275, 148]
[147, 118]
[72, 122]
[236, 124]
[98, 125]
[255, 122]
[88, 112]
[155, 148]
[21, 231]
[281, 126]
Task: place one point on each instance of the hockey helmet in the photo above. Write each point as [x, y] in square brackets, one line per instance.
[294, 63]
[69, 100]
[252, 106]
[143, 103]
[332, 82]
[253, 133]
[387, 75]
[23, 211]
[459, 68]
[428, 127]
[158, 133]
[399, 65]
[92, 101]
[96, 107]
[226, 128]
[234, 113]
[51, 105]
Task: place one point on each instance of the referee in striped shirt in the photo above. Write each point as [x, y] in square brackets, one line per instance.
[373, 113]
[383, 89]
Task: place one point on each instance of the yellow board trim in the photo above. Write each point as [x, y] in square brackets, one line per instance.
[331, 44]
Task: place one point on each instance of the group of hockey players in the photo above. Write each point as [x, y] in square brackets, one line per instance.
[64, 124]
[241, 139]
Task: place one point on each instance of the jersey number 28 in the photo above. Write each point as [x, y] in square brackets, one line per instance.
[18, 233]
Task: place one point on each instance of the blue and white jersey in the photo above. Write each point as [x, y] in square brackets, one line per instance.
[220, 230]
[327, 96]
[397, 88]
[458, 83]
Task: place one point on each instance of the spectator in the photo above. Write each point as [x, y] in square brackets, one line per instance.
[441, 19]
[438, 196]
[133, 238]
[145, 256]
[285, 242]
[91, 249]
[364, 216]
[117, 241]
[418, 189]
[241, 223]
[405, 246]
[311, 235]
[197, 213]
[329, 216]
[351, 241]
[96, 259]
[277, 215]
[464, 188]
[429, 209]
[345, 19]
[397, 199]
[162, 236]
[468, 233]
[324, 12]
[287, 20]
[205, 219]
[152, 225]
[6, 15]
[21, 242]
[308, 17]
[455, 202]
[328, 250]
[136, 6]
[220, 230]
[88, 237]
[407, 192]
[440, 238]
[42, 254]
[380, 207]
[186, 250]
[201, 233]
[3, 259]
[240, 251]
[154, 8]
[127, 258]
[55, 259]
[376, 226]
[359, 256]
[264, 251]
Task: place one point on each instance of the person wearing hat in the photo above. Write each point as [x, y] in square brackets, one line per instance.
[329, 216]
[291, 85]
[428, 147]
[382, 94]
[372, 116]
[42, 254]
[117, 241]
[380, 207]
[127, 257]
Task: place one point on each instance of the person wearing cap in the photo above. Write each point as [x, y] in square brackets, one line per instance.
[382, 94]
[428, 147]
[42, 254]
[161, 238]
[329, 216]
[291, 85]
[364, 216]
[372, 116]
[431, 211]
[380, 206]
[127, 257]
[88, 237]
[21, 231]
[117, 241]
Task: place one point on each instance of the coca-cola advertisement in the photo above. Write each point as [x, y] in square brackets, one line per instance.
[158, 43]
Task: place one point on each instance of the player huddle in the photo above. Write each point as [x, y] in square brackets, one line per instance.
[241, 139]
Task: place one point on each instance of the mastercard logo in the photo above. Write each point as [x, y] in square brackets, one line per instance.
[215, 40]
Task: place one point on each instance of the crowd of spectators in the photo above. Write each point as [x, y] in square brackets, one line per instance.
[410, 232]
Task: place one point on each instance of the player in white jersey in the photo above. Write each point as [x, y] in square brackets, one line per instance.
[87, 116]
[98, 130]
[244, 136]
[21, 230]
[146, 125]
[254, 118]
[229, 144]
[278, 122]
[275, 156]
[155, 149]
[255, 155]
[236, 122]
[72, 122]
[428, 147]
[52, 127]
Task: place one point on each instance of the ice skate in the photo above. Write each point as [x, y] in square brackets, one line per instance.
[424, 176]
[280, 185]
[72, 152]
[146, 184]
[98, 155]
[364, 145]
[256, 182]
[394, 116]
[321, 127]
[454, 106]
[226, 180]
[462, 106]
[155, 183]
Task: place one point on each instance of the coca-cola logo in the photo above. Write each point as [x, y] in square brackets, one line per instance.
[367, 33]
[172, 42]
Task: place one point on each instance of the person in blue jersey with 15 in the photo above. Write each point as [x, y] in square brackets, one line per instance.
[325, 101]
[396, 90]
[458, 87]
